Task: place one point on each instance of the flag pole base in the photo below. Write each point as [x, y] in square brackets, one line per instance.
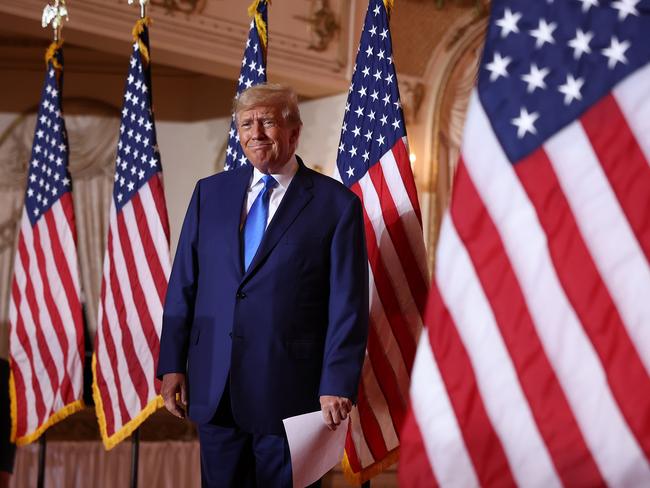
[135, 457]
[42, 451]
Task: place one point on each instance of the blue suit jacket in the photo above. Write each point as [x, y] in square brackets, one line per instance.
[291, 328]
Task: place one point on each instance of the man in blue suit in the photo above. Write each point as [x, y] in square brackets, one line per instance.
[266, 314]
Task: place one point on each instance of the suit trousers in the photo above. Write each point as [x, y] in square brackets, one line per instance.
[231, 457]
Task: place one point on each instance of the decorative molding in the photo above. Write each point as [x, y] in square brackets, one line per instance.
[459, 33]
[180, 6]
[322, 24]
[412, 92]
[15, 149]
[210, 42]
[449, 77]
[8, 230]
[480, 5]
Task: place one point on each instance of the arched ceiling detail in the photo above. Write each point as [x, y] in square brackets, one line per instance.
[208, 38]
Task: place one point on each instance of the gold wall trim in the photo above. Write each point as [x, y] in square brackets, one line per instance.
[472, 35]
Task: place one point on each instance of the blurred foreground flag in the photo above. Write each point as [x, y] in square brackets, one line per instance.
[534, 368]
[47, 333]
[373, 161]
[136, 264]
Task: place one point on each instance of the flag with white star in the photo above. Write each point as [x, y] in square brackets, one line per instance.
[136, 264]
[373, 161]
[253, 72]
[46, 323]
[534, 369]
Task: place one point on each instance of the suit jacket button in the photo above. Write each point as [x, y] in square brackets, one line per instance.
[241, 295]
[230, 334]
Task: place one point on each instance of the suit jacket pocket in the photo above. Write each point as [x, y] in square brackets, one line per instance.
[305, 349]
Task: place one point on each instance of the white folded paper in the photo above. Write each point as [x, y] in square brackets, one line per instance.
[314, 448]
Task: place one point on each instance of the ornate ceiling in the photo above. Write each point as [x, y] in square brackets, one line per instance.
[312, 42]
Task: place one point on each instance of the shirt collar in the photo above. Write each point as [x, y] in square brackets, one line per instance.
[284, 177]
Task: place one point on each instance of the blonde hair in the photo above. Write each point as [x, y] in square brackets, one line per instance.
[272, 94]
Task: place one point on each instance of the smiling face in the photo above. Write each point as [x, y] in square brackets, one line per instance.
[267, 139]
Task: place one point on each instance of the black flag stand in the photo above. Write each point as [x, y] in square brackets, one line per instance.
[42, 451]
[135, 457]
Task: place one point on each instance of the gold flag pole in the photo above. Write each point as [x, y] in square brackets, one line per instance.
[135, 436]
[52, 14]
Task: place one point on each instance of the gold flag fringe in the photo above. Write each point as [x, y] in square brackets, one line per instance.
[259, 23]
[57, 416]
[110, 441]
[389, 5]
[357, 479]
[138, 29]
[50, 54]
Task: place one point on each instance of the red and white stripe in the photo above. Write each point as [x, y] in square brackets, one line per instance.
[46, 338]
[535, 368]
[135, 275]
[398, 288]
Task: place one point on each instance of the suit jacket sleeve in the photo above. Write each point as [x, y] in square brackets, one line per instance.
[347, 331]
[178, 312]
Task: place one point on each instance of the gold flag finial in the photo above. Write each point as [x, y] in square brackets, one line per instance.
[143, 7]
[54, 14]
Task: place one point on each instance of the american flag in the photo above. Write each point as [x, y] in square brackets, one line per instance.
[373, 161]
[253, 72]
[136, 265]
[46, 338]
[535, 366]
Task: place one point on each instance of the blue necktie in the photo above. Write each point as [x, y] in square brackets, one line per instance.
[255, 224]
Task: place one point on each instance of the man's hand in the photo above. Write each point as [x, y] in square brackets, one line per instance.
[335, 409]
[173, 386]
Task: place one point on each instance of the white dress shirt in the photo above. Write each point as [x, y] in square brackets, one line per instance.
[284, 177]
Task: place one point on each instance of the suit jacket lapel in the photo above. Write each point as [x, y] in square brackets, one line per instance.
[234, 197]
[295, 199]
